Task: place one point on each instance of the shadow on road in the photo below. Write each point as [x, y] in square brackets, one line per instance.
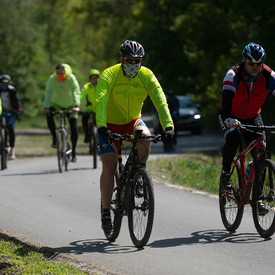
[99, 246]
[199, 237]
[209, 237]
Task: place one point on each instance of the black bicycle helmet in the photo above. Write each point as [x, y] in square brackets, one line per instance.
[132, 48]
[4, 78]
[253, 52]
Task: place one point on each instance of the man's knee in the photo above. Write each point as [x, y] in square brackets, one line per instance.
[233, 137]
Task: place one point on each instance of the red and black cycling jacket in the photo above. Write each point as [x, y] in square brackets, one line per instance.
[244, 104]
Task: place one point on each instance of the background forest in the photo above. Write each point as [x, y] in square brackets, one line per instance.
[189, 45]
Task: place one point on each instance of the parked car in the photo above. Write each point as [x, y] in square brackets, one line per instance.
[187, 119]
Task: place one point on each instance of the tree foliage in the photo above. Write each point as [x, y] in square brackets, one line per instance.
[189, 45]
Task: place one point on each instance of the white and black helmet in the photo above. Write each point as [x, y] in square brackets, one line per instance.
[4, 78]
[132, 48]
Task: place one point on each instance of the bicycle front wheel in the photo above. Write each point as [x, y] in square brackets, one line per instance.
[264, 191]
[141, 208]
[68, 153]
[116, 212]
[4, 153]
[61, 156]
[231, 208]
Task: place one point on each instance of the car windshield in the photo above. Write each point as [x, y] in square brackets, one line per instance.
[186, 102]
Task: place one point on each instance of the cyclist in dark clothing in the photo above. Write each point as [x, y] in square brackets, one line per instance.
[11, 108]
[245, 88]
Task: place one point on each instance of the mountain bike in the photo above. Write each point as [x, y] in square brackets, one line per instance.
[63, 144]
[258, 179]
[133, 193]
[93, 140]
[3, 144]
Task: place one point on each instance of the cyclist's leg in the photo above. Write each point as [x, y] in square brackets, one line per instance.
[144, 146]
[11, 135]
[248, 137]
[85, 119]
[232, 141]
[109, 163]
[74, 134]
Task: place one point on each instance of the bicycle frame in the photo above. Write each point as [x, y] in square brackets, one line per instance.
[258, 145]
[133, 194]
[259, 183]
[127, 170]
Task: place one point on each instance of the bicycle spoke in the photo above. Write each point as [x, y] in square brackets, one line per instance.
[231, 209]
[116, 216]
[141, 212]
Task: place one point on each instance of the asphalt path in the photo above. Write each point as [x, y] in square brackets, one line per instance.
[61, 211]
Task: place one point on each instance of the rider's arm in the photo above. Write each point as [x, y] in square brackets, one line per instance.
[48, 93]
[158, 98]
[75, 91]
[82, 95]
[227, 97]
[230, 83]
[272, 83]
[101, 97]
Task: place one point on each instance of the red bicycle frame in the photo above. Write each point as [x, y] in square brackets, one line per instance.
[258, 144]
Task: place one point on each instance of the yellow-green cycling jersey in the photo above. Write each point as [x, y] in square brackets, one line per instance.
[119, 100]
[63, 94]
[88, 93]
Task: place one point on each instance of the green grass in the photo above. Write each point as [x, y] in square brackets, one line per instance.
[17, 259]
[196, 171]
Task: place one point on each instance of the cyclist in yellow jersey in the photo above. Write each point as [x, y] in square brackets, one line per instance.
[63, 93]
[120, 94]
[88, 94]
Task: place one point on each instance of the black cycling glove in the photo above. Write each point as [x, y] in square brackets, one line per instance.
[105, 133]
[167, 135]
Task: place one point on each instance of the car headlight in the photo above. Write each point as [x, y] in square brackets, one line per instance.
[197, 116]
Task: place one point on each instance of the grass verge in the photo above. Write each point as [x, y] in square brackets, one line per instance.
[20, 259]
[197, 171]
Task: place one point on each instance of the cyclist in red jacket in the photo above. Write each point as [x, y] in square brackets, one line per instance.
[245, 88]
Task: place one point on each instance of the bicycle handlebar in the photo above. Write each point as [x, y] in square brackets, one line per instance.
[137, 136]
[62, 112]
[254, 128]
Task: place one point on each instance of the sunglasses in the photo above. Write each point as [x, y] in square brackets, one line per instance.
[254, 64]
[132, 60]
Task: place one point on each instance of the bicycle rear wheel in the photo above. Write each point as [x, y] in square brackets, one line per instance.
[264, 223]
[93, 144]
[231, 209]
[116, 212]
[141, 208]
[61, 156]
[4, 152]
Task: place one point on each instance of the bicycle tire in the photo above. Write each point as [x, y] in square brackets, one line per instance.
[116, 212]
[68, 155]
[141, 208]
[60, 151]
[265, 224]
[4, 153]
[93, 144]
[231, 208]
